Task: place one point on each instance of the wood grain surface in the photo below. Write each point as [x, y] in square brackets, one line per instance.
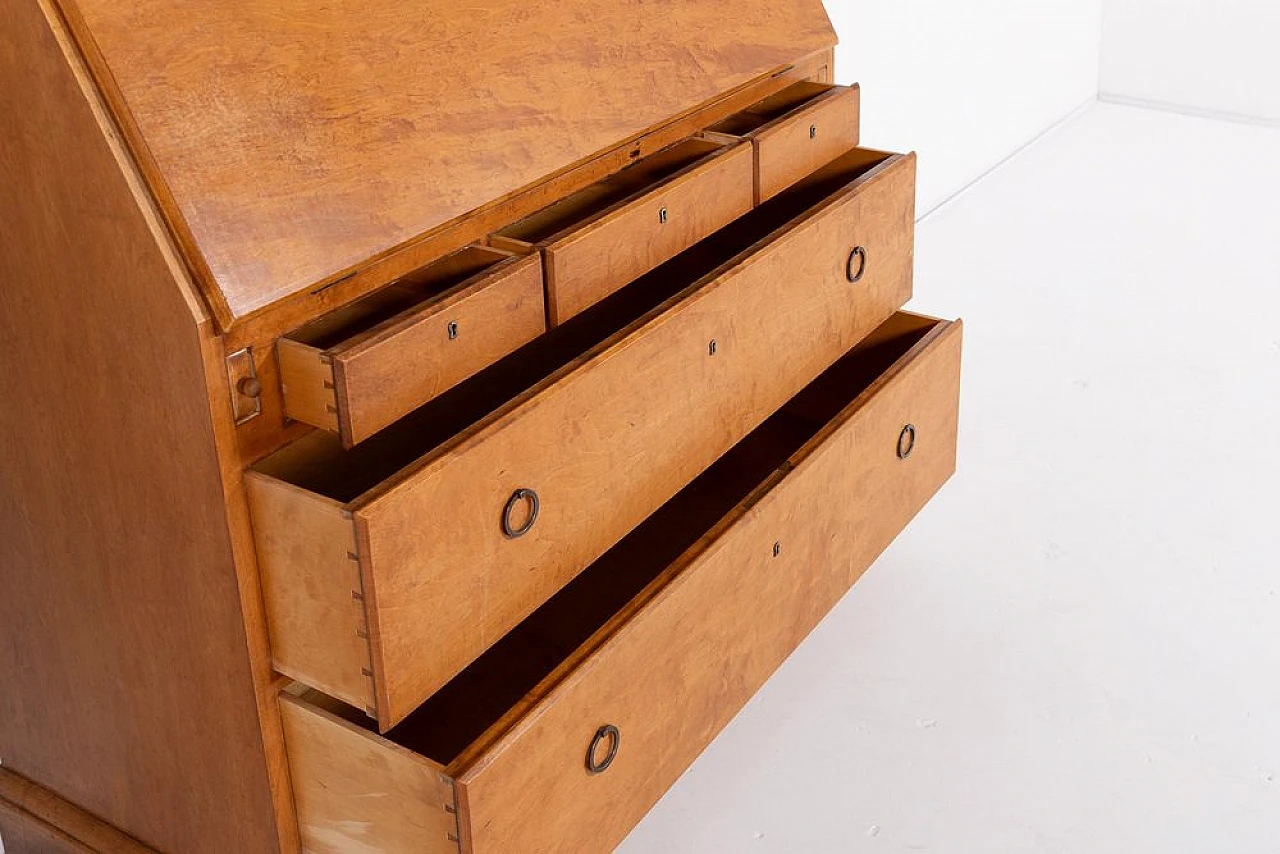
[438, 572]
[263, 326]
[36, 821]
[314, 595]
[591, 262]
[792, 516]
[123, 647]
[613, 437]
[363, 367]
[840, 501]
[792, 146]
[289, 142]
[356, 793]
[416, 358]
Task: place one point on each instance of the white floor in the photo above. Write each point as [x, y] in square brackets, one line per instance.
[1076, 647]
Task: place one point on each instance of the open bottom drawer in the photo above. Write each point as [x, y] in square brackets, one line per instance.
[565, 733]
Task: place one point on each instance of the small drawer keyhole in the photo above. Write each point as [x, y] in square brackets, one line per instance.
[453, 330]
[813, 131]
[662, 216]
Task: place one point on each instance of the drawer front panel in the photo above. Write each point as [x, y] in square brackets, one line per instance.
[796, 145]
[704, 636]
[615, 436]
[382, 379]
[584, 267]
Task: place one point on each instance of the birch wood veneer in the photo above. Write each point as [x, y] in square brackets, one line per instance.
[792, 516]
[675, 388]
[407, 407]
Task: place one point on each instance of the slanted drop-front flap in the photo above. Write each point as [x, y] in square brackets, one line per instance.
[290, 140]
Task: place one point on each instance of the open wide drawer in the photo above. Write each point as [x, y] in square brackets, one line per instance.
[566, 732]
[390, 567]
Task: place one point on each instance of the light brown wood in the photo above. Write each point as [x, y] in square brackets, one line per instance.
[417, 358]
[263, 326]
[123, 649]
[809, 501]
[796, 131]
[845, 498]
[596, 254]
[359, 369]
[816, 68]
[288, 144]
[36, 821]
[663, 404]
[314, 594]
[307, 384]
[355, 794]
[23, 833]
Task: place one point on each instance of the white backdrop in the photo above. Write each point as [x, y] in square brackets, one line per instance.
[965, 84]
[1212, 56]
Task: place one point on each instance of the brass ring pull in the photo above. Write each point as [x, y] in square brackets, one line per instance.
[609, 733]
[518, 497]
[906, 441]
[856, 267]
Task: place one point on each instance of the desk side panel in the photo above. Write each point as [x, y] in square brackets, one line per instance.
[126, 673]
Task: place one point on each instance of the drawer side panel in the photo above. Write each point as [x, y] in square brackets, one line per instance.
[306, 378]
[311, 582]
[357, 793]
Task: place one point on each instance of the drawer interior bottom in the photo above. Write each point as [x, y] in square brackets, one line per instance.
[320, 464]
[460, 713]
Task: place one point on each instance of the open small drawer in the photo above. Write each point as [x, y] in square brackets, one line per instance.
[794, 132]
[361, 368]
[600, 238]
[565, 733]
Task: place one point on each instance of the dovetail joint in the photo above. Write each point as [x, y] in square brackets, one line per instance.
[362, 625]
[452, 809]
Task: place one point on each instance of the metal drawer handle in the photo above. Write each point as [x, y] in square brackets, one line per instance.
[609, 733]
[517, 498]
[856, 267]
[906, 441]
